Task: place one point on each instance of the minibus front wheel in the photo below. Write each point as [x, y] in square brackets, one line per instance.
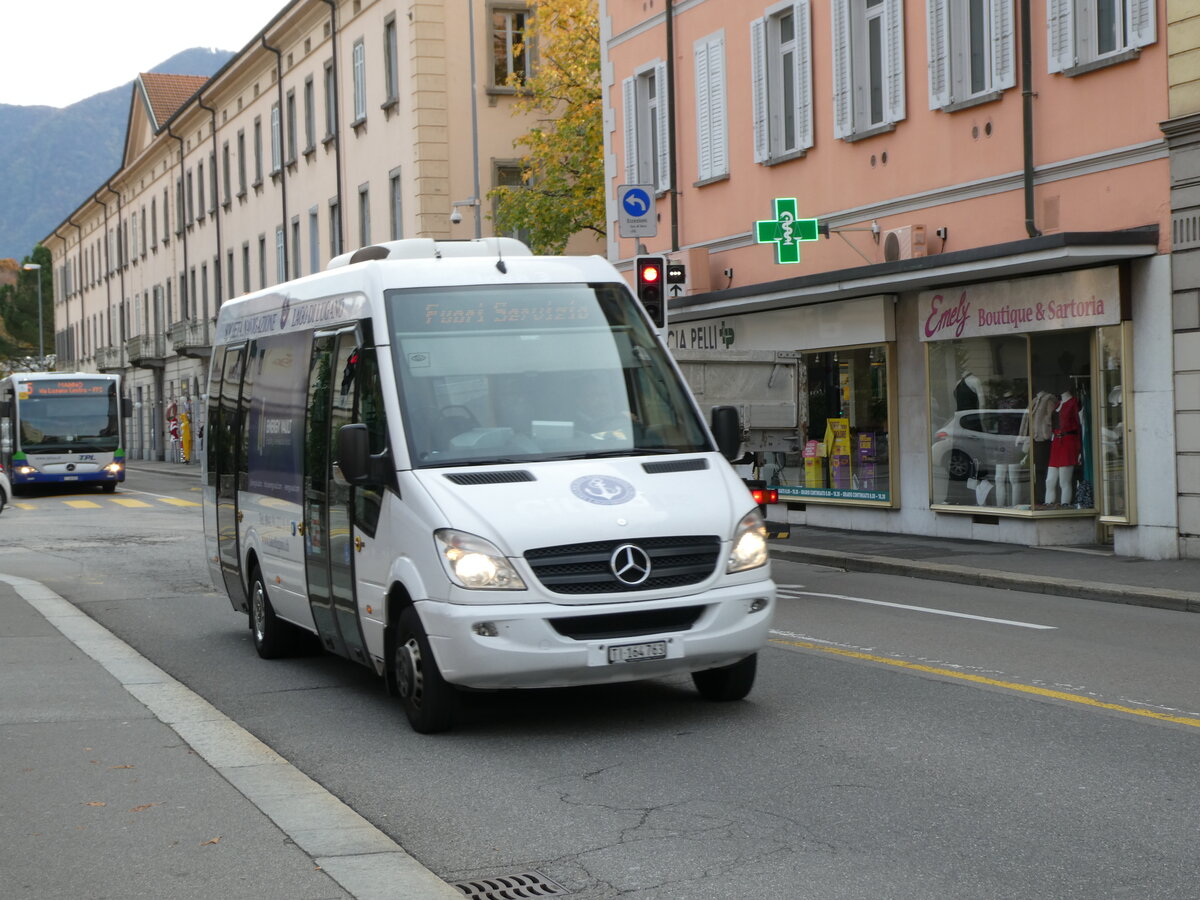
[429, 701]
[728, 682]
[271, 639]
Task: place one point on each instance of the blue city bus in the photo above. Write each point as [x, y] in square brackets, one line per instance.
[63, 427]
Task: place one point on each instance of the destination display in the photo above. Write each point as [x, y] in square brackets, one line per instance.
[63, 388]
[457, 310]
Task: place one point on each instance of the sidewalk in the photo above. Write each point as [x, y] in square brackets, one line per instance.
[1092, 573]
[120, 782]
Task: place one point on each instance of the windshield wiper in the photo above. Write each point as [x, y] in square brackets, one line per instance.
[628, 451]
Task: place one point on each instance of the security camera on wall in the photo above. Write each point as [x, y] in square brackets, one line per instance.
[455, 217]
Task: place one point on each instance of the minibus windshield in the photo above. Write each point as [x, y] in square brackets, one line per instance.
[529, 372]
[68, 416]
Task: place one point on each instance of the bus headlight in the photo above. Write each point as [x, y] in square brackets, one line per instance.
[25, 470]
[475, 563]
[114, 468]
[749, 544]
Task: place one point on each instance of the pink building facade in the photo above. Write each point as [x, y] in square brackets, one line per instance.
[927, 248]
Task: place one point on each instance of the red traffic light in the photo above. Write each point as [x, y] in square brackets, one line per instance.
[650, 272]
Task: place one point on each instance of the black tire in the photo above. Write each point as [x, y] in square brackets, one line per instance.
[272, 638]
[959, 467]
[109, 487]
[728, 682]
[429, 701]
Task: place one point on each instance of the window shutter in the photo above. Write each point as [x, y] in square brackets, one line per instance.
[758, 84]
[937, 20]
[802, 16]
[703, 113]
[1004, 70]
[843, 122]
[629, 104]
[664, 123]
[893, 24]
[1140, 22]
[718, 127]
[1060, 34]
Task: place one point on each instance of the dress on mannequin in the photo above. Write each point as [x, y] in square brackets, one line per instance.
[1039, 426]
[1065, 449]
[968, 393]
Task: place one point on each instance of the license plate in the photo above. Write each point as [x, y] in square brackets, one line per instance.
[637, 652]
[70, 478]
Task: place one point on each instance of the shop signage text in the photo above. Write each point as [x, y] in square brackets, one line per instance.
[1084, 299]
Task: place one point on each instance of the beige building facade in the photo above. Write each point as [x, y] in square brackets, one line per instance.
[341, 124]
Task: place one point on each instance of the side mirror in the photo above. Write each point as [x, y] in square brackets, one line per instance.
[5, 409]
[126, 408]
[727, 429]
[354, 453]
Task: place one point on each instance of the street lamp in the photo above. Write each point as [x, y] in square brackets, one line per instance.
[37, 267]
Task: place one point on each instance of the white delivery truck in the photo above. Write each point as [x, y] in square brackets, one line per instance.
[467, 467]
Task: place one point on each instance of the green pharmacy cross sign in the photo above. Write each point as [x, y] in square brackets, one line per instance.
[785, 231]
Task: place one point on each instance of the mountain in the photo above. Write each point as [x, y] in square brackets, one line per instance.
[51, 159]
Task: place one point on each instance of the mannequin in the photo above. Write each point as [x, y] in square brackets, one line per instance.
[1039, 425]
[968, 393]
[1065, 448]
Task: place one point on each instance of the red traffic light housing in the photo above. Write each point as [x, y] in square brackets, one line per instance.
[650, 276]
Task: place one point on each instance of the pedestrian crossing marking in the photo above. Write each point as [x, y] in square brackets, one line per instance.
[176, 501]
[129, 501]
[82, 504]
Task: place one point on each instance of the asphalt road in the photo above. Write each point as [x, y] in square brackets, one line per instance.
[938, 746]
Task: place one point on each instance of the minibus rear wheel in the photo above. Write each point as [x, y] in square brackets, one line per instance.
[728, 682]
[271, 637]
[429, 701]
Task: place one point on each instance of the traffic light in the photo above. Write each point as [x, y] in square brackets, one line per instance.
[676, 273]
[650, 278]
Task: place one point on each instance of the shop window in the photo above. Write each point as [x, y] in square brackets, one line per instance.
[1014, 423]
[844, 413]
[1114, 463]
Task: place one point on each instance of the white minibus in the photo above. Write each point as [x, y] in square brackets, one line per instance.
[471, 468]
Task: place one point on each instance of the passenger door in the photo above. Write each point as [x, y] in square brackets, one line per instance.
[329, 539]
[226, 435]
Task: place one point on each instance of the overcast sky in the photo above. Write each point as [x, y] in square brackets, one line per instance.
[57, 52]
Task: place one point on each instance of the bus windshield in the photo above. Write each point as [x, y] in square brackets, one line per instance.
[68, 416]
[529, 372]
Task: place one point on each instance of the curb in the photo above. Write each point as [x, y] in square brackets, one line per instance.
[1159, 598]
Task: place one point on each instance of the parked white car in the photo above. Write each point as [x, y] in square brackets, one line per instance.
[5, 488]
[975, 441]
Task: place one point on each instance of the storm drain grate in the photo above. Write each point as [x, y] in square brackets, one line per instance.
[510, 887]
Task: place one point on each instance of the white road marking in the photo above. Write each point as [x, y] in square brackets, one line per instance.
[789, 591]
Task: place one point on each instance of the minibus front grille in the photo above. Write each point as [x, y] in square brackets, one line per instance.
[630, 624]
[505, 477]
[588, 568]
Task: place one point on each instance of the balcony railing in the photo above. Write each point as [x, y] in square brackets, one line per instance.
[109, 359]
[190, 338]
[146, 351]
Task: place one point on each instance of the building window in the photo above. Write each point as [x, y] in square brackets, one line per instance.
[868, 67]
[510, 56]
[310, 113]
[712, 140]
[1086, 34]
[645, 111]
[364, 216]
[231, 274]
[212, 182]
[335, 228]
[971, 50]
[330, 101]
[191, 197]
[314, 240]
[509, 175]
[258, 151]
[153, 223]
[396, 206]
[276, 140]
[359, 55]
[199, 191]
[291, 127]
[781, 76]
[241, 152]
[226, 171]
[262, 261]
[280, 255]
[166, 207]
[296, 247]
[246, 267]
[391, 61]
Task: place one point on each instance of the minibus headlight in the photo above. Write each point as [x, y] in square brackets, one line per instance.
[474, 563]
[114, 468]
[26, 470]
[749, 544]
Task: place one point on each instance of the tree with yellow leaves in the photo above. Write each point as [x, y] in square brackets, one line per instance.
[562, 189]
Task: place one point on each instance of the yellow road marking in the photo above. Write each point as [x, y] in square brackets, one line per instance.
[129, 501]
[175, 501]
[82, 504]
[24, 506]
[992, 682]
